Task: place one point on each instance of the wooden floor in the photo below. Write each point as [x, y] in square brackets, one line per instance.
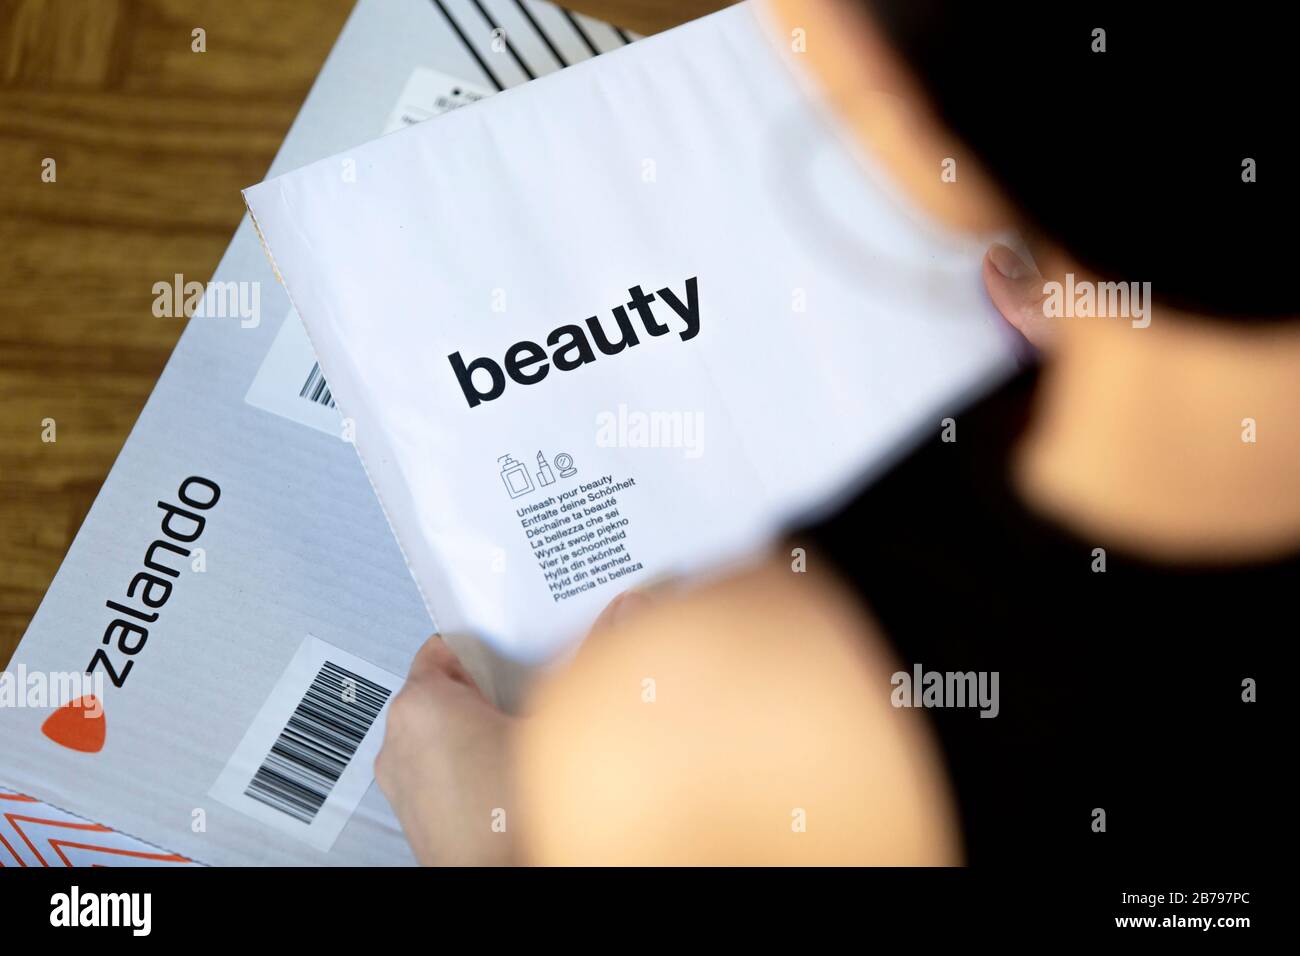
[152, 143]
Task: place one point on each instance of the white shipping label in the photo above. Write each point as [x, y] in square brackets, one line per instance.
[308, 758]
[289, 382]
[429, 93]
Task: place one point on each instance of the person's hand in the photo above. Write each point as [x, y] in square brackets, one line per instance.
[445, 765]
[1016, 288]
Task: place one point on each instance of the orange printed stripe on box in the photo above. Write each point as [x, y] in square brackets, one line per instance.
[33, 833]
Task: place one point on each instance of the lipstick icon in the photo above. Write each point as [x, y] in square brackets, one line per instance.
[544, 475]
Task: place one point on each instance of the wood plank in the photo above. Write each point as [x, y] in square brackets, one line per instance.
[152, 143]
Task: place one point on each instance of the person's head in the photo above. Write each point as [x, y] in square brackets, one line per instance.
[1144, 148]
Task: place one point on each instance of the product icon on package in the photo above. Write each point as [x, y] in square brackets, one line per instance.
[544, 474]
[515, 476]
[564, 462]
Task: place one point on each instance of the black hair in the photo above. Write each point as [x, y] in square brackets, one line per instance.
[1130, 148]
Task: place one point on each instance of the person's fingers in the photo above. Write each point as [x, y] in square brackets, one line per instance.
[1016, 289]
[436, 659]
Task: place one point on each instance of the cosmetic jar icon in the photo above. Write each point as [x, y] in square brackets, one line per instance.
[515, 476]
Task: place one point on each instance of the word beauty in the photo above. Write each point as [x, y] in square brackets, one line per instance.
[526, 362]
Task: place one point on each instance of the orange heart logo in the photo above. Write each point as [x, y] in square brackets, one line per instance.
[77, 725]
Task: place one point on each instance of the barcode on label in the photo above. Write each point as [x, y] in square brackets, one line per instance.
[314, 748]
[315, 389]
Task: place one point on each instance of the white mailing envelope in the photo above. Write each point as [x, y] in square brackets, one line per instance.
[626, 321]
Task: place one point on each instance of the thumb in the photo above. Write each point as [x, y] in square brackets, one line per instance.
[435, 659]
[1016, 288]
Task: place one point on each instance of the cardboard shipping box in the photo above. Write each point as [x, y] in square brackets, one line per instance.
[293, 558]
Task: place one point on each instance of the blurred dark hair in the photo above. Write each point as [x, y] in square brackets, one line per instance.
[1131, 159]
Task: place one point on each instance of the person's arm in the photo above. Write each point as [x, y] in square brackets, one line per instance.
[745, 722]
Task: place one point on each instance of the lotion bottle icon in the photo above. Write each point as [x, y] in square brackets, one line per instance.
[515, 476]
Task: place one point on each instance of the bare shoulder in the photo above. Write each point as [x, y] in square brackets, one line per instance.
[746, 721]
